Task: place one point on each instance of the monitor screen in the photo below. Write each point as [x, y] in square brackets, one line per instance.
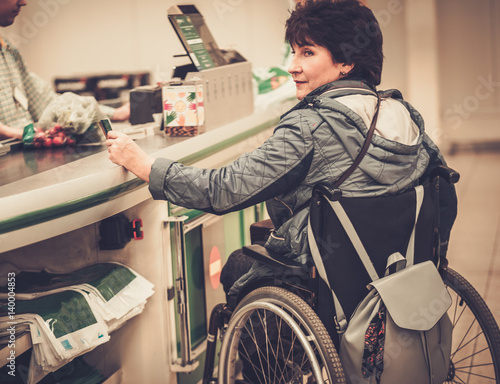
[195, 36]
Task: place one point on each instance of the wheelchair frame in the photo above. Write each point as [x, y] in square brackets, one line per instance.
[479, 337]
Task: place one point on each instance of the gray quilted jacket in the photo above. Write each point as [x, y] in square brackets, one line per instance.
[314, 142]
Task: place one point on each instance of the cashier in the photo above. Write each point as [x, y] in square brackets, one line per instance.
[23, 95]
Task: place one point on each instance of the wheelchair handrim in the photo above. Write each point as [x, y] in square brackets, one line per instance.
[243, 314]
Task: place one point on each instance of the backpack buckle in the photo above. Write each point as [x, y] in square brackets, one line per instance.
[340, 326]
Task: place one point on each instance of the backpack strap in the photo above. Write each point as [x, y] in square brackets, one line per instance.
[410, 252]
[363, 150]
[340, 317]
[358, 245]
[355, 240]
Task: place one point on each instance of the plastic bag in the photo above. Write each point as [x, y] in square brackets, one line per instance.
[73, 112]
[68, 120]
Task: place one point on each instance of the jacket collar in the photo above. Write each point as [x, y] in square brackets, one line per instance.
[340, 88]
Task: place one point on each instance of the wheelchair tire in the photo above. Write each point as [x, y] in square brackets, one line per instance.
[273, 336]
[475, 355]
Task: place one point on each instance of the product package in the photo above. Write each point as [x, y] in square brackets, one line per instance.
[183, 109]
[70, 314]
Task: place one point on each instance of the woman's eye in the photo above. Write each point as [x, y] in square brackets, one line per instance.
[308, 53]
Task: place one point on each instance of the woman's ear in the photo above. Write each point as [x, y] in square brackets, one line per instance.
[346, 68]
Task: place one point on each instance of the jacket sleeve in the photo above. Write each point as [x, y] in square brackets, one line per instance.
[280, 164]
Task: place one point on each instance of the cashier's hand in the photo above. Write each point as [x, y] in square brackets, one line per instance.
[122, 150]
[122, 113]
[7, 132]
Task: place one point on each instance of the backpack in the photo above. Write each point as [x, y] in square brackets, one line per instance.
[399, 332]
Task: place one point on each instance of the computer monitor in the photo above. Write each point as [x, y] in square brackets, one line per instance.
[195, 36]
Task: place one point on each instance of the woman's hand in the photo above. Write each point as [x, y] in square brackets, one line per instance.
[122, 150]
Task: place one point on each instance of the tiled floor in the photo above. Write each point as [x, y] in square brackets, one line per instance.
[475, 239]
[474, 252]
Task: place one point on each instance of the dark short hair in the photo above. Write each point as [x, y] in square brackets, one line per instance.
[348, 29]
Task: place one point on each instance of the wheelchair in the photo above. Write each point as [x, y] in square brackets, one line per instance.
[284, 329]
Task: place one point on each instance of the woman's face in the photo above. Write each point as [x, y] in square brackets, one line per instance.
[313, 66]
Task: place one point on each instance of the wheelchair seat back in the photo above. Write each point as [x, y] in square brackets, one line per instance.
[384, 225]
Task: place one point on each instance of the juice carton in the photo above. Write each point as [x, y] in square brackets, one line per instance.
[183, 109]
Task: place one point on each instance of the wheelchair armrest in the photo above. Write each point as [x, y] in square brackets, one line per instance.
[450, 175]
[259, 253]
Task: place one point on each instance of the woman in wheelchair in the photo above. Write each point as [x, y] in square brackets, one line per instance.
[336, 67]
[343, 133]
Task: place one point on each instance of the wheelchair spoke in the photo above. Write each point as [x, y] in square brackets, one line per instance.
[473, 366]
[279, 350]
[477, 375]
[455, 308]
[461, 345]
[258, 373]
[276, 354]
[471, 356]
[265, 356]
[287, 353]
[457, 380]
[457, 305]
[263, 320]
[475, 354]
[279, 354]
[252, 333]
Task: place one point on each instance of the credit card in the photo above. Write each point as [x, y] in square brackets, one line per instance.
[105, 125]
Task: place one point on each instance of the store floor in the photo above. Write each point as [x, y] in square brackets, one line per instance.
[475, 239]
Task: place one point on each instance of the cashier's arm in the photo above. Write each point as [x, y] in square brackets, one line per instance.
[122, 150]
[7, 132]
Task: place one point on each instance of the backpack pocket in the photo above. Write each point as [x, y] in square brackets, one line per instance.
[400, 332]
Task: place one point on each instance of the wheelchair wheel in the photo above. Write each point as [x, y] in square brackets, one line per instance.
[475, 354]
[273, 336]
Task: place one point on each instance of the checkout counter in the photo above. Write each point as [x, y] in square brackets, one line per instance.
[53, 202]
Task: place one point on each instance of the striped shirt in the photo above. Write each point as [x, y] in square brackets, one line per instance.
[15, 74]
